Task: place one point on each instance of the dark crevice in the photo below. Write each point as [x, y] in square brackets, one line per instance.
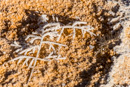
[6, 75]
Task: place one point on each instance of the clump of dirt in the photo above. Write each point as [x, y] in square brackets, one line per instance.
[84, 66]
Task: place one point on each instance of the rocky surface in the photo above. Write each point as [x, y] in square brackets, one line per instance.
[93, 61]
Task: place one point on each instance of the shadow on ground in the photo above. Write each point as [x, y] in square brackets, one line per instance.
[103, 58]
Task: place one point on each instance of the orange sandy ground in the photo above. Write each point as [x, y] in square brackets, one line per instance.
[83, 66]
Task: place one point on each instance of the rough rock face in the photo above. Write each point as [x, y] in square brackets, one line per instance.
[120, 72]
[91, 61]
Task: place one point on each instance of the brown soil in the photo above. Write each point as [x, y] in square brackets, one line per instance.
[83, 66]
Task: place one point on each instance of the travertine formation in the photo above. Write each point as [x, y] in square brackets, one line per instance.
[46, 35]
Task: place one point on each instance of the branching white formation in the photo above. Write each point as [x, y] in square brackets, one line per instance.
[50, 31]
[75, 26]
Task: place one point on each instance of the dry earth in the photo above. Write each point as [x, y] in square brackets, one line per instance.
[84, 66]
